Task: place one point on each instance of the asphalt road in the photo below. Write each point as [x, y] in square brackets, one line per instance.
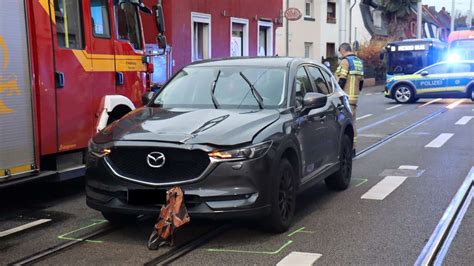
[399, 193]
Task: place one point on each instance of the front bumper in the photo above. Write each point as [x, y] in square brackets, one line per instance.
[230, 190]
[387, 93]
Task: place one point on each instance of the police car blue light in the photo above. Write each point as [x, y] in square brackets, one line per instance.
[441, 80]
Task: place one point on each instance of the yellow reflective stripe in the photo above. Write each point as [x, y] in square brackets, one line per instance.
[15, 170]
[109, 63]
[447, 89]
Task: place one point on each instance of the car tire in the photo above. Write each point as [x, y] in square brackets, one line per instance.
[119, 218]
[404, 93]
[283, 198]
[342, 178]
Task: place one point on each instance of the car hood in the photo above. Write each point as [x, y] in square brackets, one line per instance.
[201, 126]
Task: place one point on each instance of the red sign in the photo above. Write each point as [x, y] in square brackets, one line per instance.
[293, 14]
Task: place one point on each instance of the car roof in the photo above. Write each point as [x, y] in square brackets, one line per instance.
[275, 61]
[455, 62]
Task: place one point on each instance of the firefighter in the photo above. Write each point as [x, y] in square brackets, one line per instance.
[350, 75]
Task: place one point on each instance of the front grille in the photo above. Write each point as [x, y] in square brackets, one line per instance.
[180, 165]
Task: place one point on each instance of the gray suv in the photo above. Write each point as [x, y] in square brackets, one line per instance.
[241, 137]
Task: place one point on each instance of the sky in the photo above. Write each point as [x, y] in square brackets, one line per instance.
[461, 5]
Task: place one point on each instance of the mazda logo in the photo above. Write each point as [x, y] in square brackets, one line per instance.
[156, 159]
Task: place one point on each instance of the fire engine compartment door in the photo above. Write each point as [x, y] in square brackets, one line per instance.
[73, 68]
[17, 141]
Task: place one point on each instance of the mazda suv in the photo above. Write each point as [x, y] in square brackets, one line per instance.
[241, 138]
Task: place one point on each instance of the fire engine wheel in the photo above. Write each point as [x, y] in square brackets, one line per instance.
[404, 94]
[119, 218]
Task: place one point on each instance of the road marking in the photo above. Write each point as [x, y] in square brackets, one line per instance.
[464, 120]
[95, 222]
[301, 230]
[408, 167]
[368, 94]
[387, 185]
[393, 107]
[384, 187]
[439, 141]
[378, 92]
[252, 251]
[362, 117]
[454, 104]
[430, 102]
[23, 227]
[299, 258]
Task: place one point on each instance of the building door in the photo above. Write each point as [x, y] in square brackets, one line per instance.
[73, 92]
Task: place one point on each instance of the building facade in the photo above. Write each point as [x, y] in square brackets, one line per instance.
[203, 29]
[325, 24]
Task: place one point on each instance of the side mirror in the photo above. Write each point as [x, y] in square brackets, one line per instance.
[162, 43]
[314, 100]
[160, 19]
[146, 98]
[424, 73]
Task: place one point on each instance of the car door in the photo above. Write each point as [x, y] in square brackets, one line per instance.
[460, 76]
[308, 128]
[326, 118]
[432, 81]
[72, 74]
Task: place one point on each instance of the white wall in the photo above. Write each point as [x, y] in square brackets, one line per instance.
[319, 32]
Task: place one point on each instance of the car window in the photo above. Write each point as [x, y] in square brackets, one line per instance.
[329, 81]
[438, 69]
[191, 88]
[302, 84]
[460, 68]
[319, 80]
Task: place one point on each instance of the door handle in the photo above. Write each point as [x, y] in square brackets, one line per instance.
[340, 107]
[59, 80]
[119, 79]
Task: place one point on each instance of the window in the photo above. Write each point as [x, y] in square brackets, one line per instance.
[308, 49]
[309, 9]
[330, 50]
[68, 24]
[265, 38]
[331, 14]
[239, 40]
[190, 88]
[201, 36]
[302, 86]
[438, 69]
[100, 18]
[128, 24]
[319, 81]
[460, 68]
[329, 80]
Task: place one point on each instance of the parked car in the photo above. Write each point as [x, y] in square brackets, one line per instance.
[441, 80]
[241, 137]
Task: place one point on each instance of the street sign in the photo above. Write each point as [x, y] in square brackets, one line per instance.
[293, 14]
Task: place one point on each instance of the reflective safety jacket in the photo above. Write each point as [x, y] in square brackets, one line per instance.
[350, 74]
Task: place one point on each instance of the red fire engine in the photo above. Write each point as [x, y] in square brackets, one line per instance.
[67, 69]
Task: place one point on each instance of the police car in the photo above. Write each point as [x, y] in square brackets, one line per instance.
[441, 80]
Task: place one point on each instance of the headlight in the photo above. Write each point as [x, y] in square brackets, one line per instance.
[250, 152]
[98, 150]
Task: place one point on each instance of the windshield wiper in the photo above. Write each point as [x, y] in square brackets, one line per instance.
[255, 93]
[213, 88]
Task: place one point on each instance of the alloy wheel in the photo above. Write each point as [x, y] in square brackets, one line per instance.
[286, 195]
[403, 94]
